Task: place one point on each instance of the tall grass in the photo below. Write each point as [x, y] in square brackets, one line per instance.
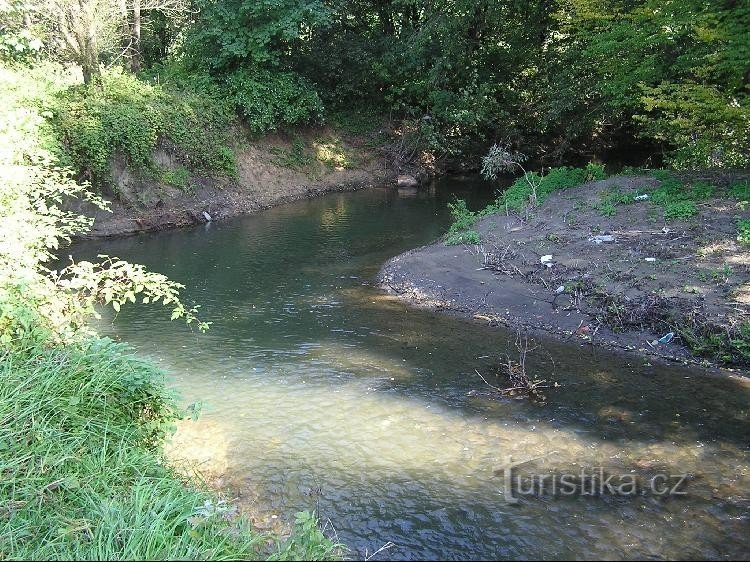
[81, 429]
[82, 476]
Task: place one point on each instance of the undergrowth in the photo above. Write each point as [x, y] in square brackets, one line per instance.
[517, 198]
[129, 117]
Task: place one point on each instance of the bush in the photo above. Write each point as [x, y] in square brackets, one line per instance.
[269, 99]
[131, 117]
[740, 190]
[519, 194]
[462, 230]
[743, 232]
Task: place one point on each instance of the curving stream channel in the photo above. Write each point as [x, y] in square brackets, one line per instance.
[320, 392]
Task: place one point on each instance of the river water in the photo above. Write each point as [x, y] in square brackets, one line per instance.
[317, 391]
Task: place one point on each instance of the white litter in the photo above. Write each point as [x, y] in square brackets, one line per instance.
[602, 238]
[643, 197]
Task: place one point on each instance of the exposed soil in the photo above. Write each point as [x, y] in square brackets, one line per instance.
[653, 279]
[268, 174]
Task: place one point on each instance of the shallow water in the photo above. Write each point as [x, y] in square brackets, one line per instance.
[319, 392]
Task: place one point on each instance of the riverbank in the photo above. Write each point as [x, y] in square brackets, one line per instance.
[602, 264]
[82, 421]
[273, 170]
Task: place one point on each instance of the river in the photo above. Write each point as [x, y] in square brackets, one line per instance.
[318, 391]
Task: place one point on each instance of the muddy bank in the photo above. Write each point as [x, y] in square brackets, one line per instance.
[628, 281]
[270, 171]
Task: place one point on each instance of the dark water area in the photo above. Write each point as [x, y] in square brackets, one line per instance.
[320, 392]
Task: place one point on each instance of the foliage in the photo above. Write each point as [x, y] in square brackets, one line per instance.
[21, 46]
[35, 303]
[727, 345]
[249, 34]
[679, 199]
[296, 158]
[307, 542]
[740, 190]
[462, 230]
[679, 210]
[82, 420]
[129, 117]
[743, 232]
[533, 188]
[269, 99]
[83, 474]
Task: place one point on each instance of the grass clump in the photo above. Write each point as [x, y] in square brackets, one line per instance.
[678, 199]
[462, 230]
[535, 186]
[83, 474]
[743, 232]
[726, 345]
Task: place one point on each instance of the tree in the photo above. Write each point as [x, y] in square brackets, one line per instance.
[88, 31]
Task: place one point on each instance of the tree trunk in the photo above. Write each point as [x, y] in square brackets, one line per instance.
[125, 38]
[135, 61]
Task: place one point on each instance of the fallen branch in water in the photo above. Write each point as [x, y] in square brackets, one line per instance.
[520, 381]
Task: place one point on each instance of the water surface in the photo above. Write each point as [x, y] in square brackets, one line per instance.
[319, 392]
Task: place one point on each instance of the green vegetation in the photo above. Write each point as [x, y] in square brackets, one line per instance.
[743, 232]
[740, 191]
[678, 199]
[84, 478]
[296, 158]
[270, 100]
[82, 420]
[125, 116]
[719, 343]
[462, 230]
[533, 188]
[452, 76]
[529, 190]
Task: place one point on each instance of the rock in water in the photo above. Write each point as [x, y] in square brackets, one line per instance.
[407, 181]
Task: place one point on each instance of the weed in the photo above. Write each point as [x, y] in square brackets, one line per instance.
[176, 177]
[295, 158]
[462, 230]
[743, 232]
[606, 208]
[679, 210]
[740, 190]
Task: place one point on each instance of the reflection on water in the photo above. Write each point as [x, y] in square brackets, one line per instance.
[321, 393]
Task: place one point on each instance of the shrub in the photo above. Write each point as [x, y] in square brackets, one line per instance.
[462, 230]
[268, 100]
[743, 232]
[680, 210]
[130, 117]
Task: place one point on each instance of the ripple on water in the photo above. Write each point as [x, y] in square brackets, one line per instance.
[319, 393]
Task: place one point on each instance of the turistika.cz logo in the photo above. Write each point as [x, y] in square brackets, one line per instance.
[591, 481]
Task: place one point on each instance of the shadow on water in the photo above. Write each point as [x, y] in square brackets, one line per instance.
[322, 393]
